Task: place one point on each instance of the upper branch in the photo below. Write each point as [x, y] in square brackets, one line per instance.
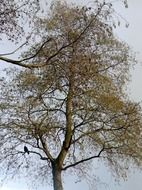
[30, 66]
[19, 62]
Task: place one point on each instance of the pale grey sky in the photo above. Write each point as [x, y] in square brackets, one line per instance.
[132, 36]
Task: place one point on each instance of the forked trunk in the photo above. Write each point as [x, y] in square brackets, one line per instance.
[57, 179]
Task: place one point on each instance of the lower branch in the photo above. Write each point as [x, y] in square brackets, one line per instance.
[41, 157]
[84, 160]
[46, 149]
[37, 153]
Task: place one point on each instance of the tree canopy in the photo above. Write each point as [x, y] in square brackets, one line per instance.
[14, 16]
[69, 105]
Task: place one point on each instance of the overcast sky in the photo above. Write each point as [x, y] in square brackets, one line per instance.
[132, 36]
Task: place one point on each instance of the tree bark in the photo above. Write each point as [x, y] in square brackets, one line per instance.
[57, 178]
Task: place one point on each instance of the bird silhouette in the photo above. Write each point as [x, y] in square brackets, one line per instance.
[26, 150]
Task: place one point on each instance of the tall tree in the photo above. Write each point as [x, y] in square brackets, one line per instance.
[72, 107]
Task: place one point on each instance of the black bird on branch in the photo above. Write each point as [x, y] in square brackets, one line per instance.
[26, 150]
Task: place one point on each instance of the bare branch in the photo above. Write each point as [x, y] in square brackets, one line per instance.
[19, 62]
[46, 149]
[10, 53]
[84, 160]
[41, 157]
[34, 152]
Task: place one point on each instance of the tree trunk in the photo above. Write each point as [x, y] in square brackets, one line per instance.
[57, 179]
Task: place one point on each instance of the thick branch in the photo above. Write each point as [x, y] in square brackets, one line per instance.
[84, 160]
[46, 149]
[41, 157]
[68, 135]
